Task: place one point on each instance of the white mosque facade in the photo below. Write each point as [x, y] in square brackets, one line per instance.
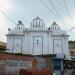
[37, 39]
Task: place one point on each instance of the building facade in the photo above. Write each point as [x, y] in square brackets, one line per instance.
[2, 47]
[38, 39]
[72, 48]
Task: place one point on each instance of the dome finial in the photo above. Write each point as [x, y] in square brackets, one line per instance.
[20, 22]
[54, 23]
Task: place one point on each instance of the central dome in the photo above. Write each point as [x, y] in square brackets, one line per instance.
[37, 22]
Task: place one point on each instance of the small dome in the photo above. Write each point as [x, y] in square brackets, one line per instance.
[37, 22]
[55, 27]
[20, 25]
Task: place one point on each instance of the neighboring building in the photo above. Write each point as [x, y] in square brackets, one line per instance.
[72, 48]
[37, 39]
[69, 65]
[2, 47]
[11, 64]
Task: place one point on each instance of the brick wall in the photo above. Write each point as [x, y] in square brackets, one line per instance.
[10, 56]
[12, 63]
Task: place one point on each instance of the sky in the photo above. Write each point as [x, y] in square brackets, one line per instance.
[60, 11]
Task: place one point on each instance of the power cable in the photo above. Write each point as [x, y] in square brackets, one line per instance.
[73, 2]
[22, 3]
[56, 10]
[50, 10]
[74, 26]
[7, 17]
[67, 11]
[14, 13]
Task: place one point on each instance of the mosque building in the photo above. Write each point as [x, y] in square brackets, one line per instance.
[38, 39]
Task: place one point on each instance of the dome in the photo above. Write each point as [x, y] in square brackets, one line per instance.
[37, 22]
[55, 27]
[20, 25]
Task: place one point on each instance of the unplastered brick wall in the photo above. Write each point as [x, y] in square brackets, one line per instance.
[2, 68]
[12, 63]
[11, 56]
[43, 61]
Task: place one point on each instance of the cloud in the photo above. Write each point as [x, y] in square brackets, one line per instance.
[3, 27]
[5, 5]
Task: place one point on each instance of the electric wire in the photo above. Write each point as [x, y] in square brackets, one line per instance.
[73, 26]
[30, 10]
[68, 14]
[73, 2]
[14, 13]
[7, 17]
[67, 11]
[51, 3]
[23, 5]
[50, 10]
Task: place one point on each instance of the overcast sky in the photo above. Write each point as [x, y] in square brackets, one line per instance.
[61, 11]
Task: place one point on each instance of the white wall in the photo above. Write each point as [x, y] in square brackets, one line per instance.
[43, 45]
[46, 39]
[15, 43]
